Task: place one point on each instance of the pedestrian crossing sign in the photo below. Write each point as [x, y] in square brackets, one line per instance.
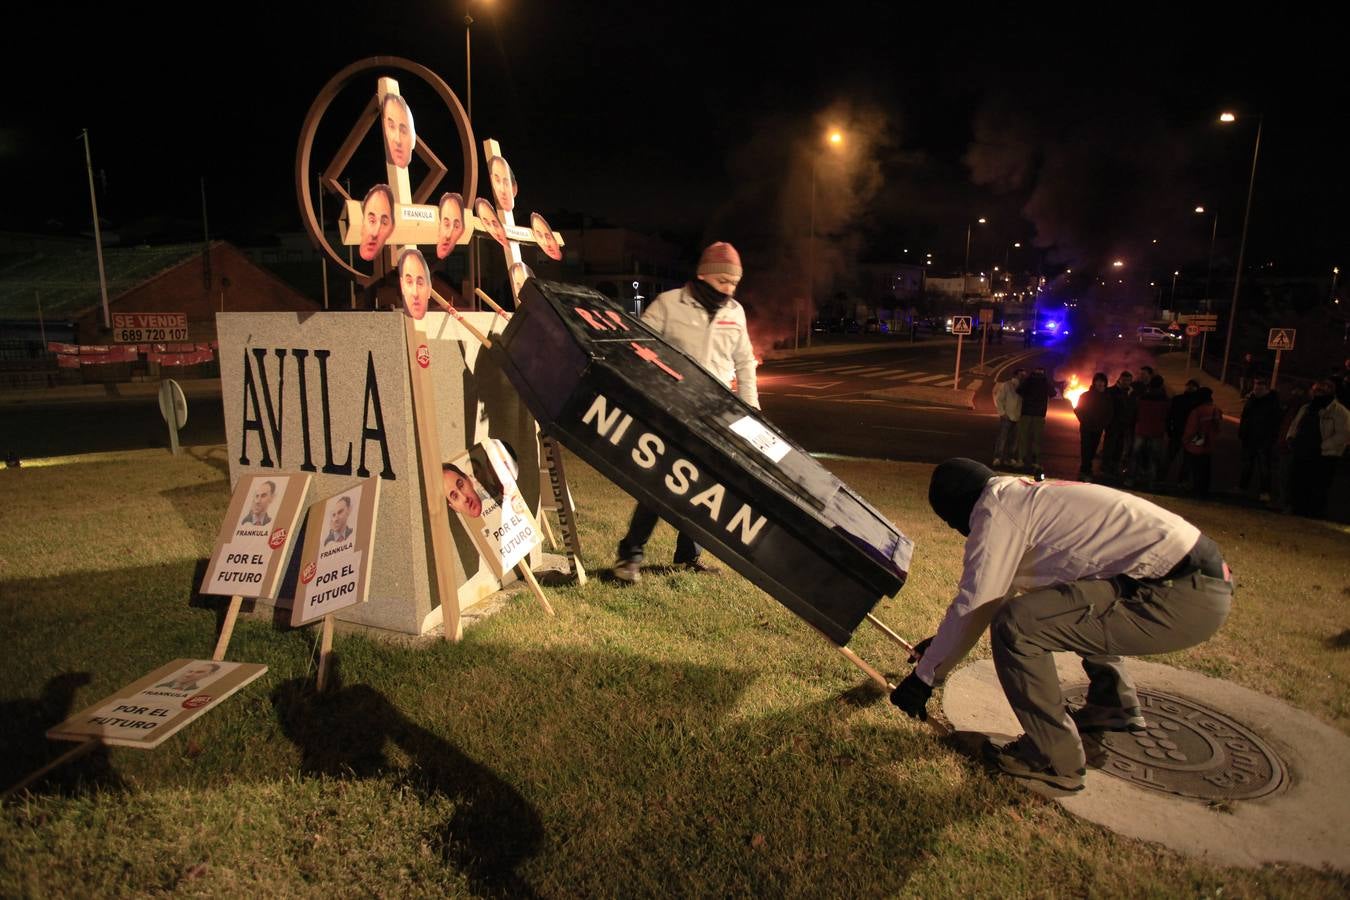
[1281, 339]
[960, 324]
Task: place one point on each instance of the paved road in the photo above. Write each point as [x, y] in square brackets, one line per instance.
[820, 401]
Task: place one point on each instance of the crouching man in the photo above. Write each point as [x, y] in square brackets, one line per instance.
[1058, 566]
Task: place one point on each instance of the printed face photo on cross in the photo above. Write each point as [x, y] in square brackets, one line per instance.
[519, 273]
[414, 282]
[451, 224]
[399, 136]
[482, 208]
[503, 183]
[377, 221]
[543, 236]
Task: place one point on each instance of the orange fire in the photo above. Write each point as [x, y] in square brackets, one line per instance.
[1074, 390]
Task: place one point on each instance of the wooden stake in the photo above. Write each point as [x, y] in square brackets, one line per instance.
[73, 753]
[227, 629]
[444, 568]
[325, 651]
[449, 307]
[492, 303]
[890, 634]
[525, 573]
[879, 680]
[548, 529]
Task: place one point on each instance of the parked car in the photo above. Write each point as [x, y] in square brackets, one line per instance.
[1152, 334]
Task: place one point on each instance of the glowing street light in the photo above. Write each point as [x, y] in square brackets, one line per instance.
[1118, 264]
[1242, 247]
[965, 267]
[835, 139]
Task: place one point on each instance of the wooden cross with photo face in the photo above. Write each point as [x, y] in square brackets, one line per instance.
[501, 219]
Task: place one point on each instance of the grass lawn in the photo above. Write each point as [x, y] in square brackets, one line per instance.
[686, 736]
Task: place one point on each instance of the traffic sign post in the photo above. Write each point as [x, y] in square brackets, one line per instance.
[173, 407]
[960, 328]
[1280, 340]
[986, 316]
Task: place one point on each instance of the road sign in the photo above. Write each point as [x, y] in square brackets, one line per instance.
[140, 328]
[1192, 330]
[1281, 339]
[986, 316]
[173, 407]
[960, 324]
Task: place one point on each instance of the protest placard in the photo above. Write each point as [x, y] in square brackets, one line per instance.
[149, 711]
[249, 558]
[335, 562]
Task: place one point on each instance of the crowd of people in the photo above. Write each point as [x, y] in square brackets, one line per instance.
[1132, 433]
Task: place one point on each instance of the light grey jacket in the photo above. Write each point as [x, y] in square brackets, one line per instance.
[721, 345]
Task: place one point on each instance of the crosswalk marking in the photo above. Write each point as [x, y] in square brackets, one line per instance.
[901, 376]
[874, 370]
[975, 385]
[929, 379]
[840, 370]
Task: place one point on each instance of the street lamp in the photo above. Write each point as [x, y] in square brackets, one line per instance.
[835, 139]
[474, 274]
[1242, 247]
[1335, 276]
[965, 267]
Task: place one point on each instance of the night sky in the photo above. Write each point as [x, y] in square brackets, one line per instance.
[1088, 139]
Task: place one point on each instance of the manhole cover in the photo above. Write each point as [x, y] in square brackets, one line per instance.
[1189, 750]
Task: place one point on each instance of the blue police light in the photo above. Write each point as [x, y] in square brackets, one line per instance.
[1051, 326]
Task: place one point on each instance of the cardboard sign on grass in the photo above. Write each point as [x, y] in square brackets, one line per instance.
[335, 561]
[249, 559]
[149, 711]
[480, 486]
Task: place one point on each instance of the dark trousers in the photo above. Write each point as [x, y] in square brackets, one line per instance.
[1257, 462]
[1147, 464]
[1102, 621]
[1175, 448]
[1116, 453]
[1200, 470]
[1029, 431]
[1088, 441]
[1310, 483]
[1005, 442]
[640, 529]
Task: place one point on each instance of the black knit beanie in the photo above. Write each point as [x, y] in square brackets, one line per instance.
[954, 488]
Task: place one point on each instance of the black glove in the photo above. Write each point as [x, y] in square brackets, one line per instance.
[919, 650]
[912, 697]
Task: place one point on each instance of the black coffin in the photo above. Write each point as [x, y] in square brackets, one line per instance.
[661, 427]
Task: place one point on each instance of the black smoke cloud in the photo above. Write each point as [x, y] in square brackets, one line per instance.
[1098, 177]
[768, 212]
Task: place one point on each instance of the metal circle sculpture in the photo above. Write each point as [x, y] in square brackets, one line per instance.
[369, 119]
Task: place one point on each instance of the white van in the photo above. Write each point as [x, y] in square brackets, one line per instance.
[1151, 334]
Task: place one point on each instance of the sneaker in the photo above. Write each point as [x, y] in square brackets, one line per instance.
[1094, 717]
[629, 570]
[1016, 759]
[1264, 498]
[699, 567]
[998, 461]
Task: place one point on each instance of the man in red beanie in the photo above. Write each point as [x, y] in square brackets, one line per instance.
[704, 320]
